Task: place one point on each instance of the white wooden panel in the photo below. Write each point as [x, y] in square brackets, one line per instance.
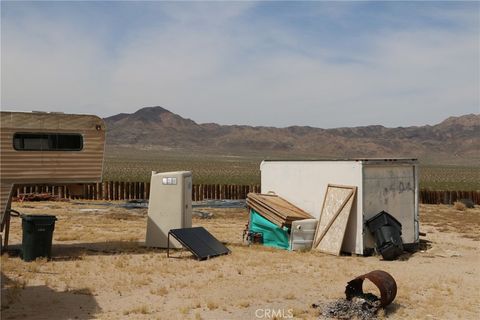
[333, 219]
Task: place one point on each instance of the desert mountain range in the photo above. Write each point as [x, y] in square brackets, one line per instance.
[455, 140]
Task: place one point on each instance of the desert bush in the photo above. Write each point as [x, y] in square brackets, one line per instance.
[143, 309]
[468, 203]
[460, 206]
[161, 291]
[212, 305]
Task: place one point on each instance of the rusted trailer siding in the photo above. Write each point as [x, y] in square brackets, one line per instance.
[49, 166]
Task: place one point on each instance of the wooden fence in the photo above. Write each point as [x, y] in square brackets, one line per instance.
[448, 197]
[116, 190]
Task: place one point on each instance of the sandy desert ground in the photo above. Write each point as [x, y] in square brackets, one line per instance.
[100, 270]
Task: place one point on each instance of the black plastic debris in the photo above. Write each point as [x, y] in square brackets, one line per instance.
[387, 232]
[468, 203]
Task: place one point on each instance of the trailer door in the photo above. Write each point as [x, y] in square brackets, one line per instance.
[390, 188]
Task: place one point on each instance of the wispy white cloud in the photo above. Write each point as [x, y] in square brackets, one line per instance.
[227, 63]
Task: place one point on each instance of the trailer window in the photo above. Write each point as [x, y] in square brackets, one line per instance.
[47, 142]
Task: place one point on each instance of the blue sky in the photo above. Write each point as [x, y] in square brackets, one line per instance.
[323, 64]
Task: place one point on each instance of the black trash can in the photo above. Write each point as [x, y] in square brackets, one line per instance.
[387, 232]
[37, 236]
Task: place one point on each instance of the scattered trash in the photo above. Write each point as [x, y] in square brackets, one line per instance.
[387, 232]
[138, 204]
[360, 305]
[252, 237]
[468, 203]
[142, 203]
[203, 214]
[357, 308]
[384, 282]
[38, 197]
[220, 204]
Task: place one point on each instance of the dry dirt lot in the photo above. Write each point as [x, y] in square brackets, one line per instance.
[100, 270]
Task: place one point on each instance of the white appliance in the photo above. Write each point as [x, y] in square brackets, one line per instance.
[169, 207]
[382, 184]
[302, 234]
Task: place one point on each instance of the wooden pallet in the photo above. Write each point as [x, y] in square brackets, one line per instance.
[276, 209]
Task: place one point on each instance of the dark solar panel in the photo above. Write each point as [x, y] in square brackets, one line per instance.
[200, 242]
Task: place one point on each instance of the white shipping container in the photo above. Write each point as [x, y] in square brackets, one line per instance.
[390, 185]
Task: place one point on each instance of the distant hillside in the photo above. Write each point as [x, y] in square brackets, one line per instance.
[455, 140]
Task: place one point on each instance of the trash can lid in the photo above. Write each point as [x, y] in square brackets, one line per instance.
[38, 217]
[381, 219]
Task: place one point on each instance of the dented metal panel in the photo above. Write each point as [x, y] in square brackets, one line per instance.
[390, 188]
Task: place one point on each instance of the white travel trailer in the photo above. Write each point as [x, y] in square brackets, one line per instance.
[47, 148]
[390, 185]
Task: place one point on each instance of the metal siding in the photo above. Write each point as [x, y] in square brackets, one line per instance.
[391, 188]
[50, 167]
[415, 205]
[5, 191]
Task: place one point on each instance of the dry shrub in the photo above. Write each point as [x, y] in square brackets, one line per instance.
[184, 310]
[143, 309]
[289, 296]
[69, 237]
[244, 304]
[159, 291]
[460, 206]
[212, 305]
[140, 281]
[36, 265]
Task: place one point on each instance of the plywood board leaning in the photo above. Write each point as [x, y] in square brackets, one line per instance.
[333, 220]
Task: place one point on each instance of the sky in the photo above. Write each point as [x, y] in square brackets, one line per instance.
[321, 64]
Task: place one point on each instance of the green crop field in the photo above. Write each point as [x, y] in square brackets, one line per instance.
[124, 165]
[450, 178]
[137, 165]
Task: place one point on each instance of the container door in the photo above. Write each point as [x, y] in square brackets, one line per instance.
[390, 189]
[187, 210]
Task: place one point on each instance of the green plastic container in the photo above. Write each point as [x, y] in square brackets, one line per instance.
[37, 236]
